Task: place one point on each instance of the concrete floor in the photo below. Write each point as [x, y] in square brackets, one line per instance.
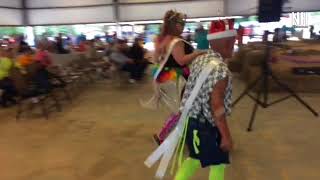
[104, 134]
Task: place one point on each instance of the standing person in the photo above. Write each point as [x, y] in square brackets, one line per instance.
[173, 55]
[182, 53]
[265, 36]
[81, 38]
[276, 35]
[251, 31]
[208, 137]
[205, 105]
[201, 38]
[60, 45]
[312, 33]
[114, 37]
[284, 36]
[107, 38]
[240, 35]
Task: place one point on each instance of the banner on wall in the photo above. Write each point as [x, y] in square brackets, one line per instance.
[300, 19]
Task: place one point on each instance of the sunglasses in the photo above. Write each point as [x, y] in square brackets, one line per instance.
[182, 22]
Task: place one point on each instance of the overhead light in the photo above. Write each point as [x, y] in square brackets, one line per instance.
[108, 24]
[212, 18]
[141, 22]
[188, 20]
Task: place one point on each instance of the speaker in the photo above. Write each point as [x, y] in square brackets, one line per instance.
[270, 10]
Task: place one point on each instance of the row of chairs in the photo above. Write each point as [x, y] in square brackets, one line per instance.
[65, 82]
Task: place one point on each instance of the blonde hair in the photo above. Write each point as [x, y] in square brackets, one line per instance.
[171, 18]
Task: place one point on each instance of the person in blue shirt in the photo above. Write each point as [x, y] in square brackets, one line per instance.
[201, 38]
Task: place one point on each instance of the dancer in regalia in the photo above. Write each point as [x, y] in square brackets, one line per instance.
[207, 135]
[205, 105]
[172, 55]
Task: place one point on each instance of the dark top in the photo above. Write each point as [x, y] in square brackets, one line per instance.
[23, 46]
[136, 53]
[59, 44]
[188, 49]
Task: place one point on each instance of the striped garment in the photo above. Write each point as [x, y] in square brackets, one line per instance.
[201, 109]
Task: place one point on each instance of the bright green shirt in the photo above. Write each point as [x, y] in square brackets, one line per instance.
[5, 66]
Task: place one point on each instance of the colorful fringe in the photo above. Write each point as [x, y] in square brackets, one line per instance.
[170, 73]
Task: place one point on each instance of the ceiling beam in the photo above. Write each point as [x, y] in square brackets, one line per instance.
[8, 7]
[24, 11]
[115, 3]
[70, 7]
[116, 10]
[162, 2]
[226, 7]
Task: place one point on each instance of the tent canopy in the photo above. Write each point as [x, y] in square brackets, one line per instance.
[49, 12]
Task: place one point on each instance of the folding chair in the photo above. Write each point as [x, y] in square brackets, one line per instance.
[27, 93]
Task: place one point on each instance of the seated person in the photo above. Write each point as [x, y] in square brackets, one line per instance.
[42, 56]
[22, 45]
[5, 64]
[120, 57]
[35, 69]
[82, 47]
[98, 44]
[43, 77]
[137, 53]
[119, 53]
[6, 85]
[91, 52]
[25, 59]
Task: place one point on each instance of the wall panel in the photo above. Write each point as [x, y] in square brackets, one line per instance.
[63, 3]
[71, 16]
[11, 3]
[157, 11]
[10, 16]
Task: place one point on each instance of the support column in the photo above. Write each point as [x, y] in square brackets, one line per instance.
[30, 36]
[116, 17]
[30, 32]
[116, 10]
[226, 7]
[133, 31]
[119, 30]
[25, 15]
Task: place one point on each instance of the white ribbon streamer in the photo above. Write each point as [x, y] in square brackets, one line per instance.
[165, 60]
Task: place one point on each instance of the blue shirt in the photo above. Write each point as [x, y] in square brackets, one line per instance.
[201, 40]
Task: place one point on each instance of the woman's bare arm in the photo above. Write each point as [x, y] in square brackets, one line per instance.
[180, 56]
